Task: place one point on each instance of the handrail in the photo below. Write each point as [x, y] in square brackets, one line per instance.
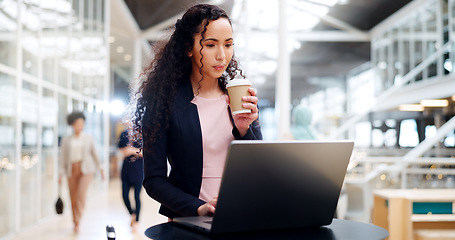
[397, 167]
[428, 143]
[406, 79]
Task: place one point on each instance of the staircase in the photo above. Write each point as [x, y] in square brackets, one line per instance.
[428, 76]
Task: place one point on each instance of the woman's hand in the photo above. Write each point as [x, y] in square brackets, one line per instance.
[128, 151]
[208, 209]
[139, 152]
[243, 120]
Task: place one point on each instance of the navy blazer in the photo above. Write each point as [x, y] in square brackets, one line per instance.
[181, 145]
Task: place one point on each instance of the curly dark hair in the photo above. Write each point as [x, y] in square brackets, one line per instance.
[72, 117]
[170, 67]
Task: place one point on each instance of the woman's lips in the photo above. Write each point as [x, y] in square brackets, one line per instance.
[219, 67]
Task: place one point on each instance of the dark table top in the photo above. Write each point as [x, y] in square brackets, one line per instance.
[337, 230]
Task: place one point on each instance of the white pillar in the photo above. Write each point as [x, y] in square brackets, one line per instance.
[283, 79]
[18, 135]
[137, 64]
[106, 93]
[247, 31]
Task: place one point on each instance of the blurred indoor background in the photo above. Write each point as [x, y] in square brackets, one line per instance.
[376, 72]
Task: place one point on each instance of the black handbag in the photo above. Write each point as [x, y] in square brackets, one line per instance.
[59, 203]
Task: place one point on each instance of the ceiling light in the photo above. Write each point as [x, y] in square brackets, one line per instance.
[382, 65]
[434, 103]
[448, 65]
[111, 39]
[453, 98]
[117, 107]
[119, 49]
[127, 57]
[411, 107]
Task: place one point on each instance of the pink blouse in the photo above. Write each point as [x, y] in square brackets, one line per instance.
[216, 129]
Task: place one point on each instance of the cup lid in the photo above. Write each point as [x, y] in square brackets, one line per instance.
[238, 82]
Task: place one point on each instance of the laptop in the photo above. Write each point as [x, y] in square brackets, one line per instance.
[268, 185]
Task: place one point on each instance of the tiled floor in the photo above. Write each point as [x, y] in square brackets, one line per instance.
[107, 208]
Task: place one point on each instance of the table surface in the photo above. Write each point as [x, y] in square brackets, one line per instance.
[418, 194]
[337, 230]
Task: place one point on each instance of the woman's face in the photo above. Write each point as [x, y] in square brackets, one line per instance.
[217, 49]
[78, 125]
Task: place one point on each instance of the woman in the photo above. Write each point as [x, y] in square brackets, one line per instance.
[132, 174]
[79, 161]
[183, 113]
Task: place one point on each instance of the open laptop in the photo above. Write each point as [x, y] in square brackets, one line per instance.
[277, 185]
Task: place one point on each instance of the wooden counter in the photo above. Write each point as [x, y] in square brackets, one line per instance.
[401, 211]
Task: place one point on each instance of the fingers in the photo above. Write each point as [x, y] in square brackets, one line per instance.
[252, 98]
[211, 205]
[253, 107]
[206, 209]
[252, 91]
[251, 103]
[211, 208]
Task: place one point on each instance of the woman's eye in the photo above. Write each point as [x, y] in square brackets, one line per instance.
[210, 45]
[229, 45]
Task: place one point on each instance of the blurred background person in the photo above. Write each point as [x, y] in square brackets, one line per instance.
[78, 161]
[302, 129]
[132, 174]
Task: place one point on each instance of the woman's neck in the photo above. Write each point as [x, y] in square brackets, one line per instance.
[207, 88]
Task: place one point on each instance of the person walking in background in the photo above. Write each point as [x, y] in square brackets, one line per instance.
[183, 115]
[132, 174]
[302, 129]
[78, 161]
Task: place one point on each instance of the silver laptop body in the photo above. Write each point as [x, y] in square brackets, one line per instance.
[277, 185]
